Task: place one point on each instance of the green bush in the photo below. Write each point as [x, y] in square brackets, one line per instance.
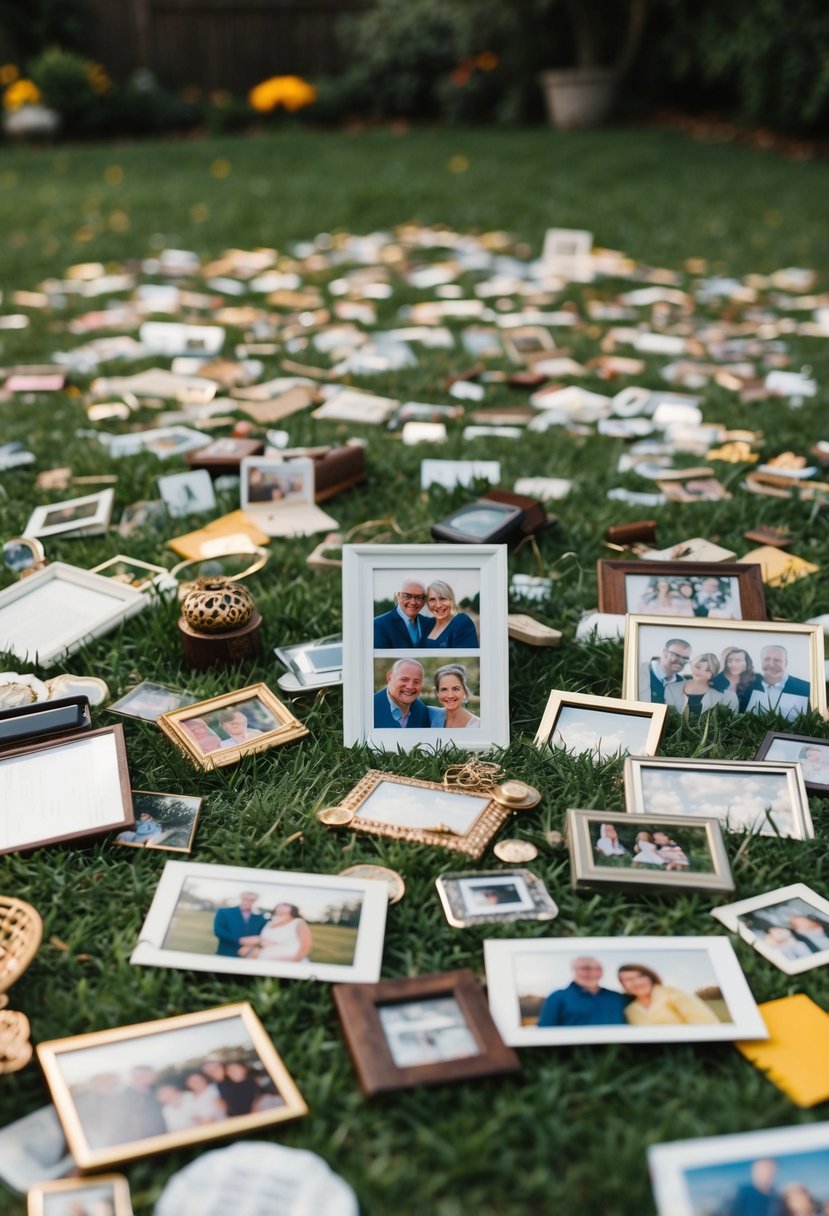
[75, 87]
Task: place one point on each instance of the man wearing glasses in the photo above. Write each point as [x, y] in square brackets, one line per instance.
[403, 627]
[662, 670]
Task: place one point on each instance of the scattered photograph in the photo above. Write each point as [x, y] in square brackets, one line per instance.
[133, 573]
[272, 481]
[494, 897]
[221, 730]
[782, 1170]
[424, 812]
[601, 726]
[278, 496]
[616, 849]
[106, 1195]
[699, 489]
[424, 1030]
[89, 514]
[747, 667]
[187, 493]
[546, 991]
[428, 693]
[745, 795]
[149, 701]
[682, 589]
[425, 645]
[135, 1090]
[162, 821]
[427, 609]
[811, 754]
[264, 922]
[789, 926]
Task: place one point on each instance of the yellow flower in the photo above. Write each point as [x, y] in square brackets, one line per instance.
[8, 74]
[98, 80]
[292, 92]
[21, 93]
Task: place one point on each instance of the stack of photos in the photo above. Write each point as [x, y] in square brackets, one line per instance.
[483, 897]
[789, 926]
[602, 726]
[227, 919]
[745, 795]
[811, 754]
[544, 992]
[614, 849]
[425, 645]
[135, 1090]
[745, 667]
[783, 1170]
[731, 592]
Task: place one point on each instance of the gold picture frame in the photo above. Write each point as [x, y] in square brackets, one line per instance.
[208, 750]
[98, 1098]
[476, 825]
[111, 1188]
[611, 708]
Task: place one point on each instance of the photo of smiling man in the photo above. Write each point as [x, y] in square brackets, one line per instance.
[398, 704]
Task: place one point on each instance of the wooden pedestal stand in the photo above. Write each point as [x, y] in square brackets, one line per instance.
[203, 650]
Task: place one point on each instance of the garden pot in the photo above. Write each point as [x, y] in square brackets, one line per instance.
[579, 97]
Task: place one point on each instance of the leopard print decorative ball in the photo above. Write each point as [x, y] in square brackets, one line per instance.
[217, 604]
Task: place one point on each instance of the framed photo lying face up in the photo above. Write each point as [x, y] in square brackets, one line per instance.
[746, 667]
[425, 646]
[134, 1090]
[103, 1195]
[718, 591]
[811, 754]
[602, 726]
[789, 926]
[220, 731]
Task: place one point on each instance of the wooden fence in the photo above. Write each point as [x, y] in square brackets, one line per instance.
[220, 44]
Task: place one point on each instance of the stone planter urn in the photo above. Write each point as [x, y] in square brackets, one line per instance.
[579, 97]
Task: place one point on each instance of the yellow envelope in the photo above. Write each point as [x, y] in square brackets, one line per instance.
[233, 533]
[795, 1057]
[779, 568]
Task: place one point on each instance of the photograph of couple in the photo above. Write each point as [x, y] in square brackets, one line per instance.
[767, 1186]
[230, 727]
[689, 676]
[400, 622]
[789, 926]
[424, 694]
[270, 923]
[632, 995]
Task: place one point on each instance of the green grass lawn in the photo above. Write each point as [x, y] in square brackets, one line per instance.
[569, 1134]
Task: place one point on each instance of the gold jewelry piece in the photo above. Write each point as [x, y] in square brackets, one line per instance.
[474, 775]
[517, 795]
[515, 850]
[215, 605]
[335, 816]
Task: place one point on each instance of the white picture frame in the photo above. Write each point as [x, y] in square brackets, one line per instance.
[85, 516]
[189, 493]
[793, 951]
[772, 802]
[50, 614]
[477, 577]
[794, 1149]
[520, 971]
[171, 918]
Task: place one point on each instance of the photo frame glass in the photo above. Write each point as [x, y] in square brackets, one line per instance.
[603, 727]
[149, 701]
[221, 730]
[746, 796]
[264, 922]
[425, 645]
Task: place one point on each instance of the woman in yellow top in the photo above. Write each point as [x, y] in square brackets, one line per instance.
[658, 1004]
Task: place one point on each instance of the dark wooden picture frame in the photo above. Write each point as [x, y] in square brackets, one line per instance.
[613, 594]
[812, 787]
[358, 1007]
[122, 816]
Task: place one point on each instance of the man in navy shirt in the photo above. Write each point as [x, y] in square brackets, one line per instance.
[760, 1196]
[584, 1002]
[404, 626]
[662, 670]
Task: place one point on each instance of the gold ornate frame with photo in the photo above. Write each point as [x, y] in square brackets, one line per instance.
[89, 1158]
[289, 728]
[474, 841]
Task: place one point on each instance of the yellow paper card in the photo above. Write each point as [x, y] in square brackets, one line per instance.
[795, 1057]
[233, 533]
[779, 568]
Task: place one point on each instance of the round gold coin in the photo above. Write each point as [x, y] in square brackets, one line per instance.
[395, 884]
[517, 795]
[335, 816]
[515, 850]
